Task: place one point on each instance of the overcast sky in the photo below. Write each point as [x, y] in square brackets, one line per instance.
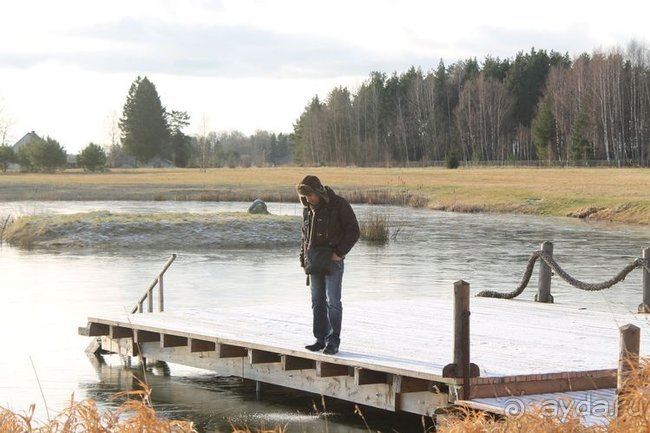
[66, 66]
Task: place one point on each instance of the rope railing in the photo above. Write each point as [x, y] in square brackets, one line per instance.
[548, 260]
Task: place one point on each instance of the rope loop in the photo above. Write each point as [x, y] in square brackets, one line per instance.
[557, 269]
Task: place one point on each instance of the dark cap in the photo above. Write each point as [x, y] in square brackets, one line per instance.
[310, 184]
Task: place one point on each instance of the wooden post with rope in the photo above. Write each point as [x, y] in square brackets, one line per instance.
[645, 305]
[628, 358]
[461, 367]
[545, 274]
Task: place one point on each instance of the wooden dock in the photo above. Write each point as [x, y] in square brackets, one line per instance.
[392, 353]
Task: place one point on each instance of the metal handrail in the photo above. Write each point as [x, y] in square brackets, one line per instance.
[148, 294]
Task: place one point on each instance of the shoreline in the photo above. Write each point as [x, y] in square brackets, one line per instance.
[603, 194]
[176, 231]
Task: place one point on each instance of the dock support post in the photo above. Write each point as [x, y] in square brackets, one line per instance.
[645, 305]
[628, 358]
[461, 367]
[545, 273]
[259, 389]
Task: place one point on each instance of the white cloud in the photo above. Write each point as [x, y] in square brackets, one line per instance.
[249, 64]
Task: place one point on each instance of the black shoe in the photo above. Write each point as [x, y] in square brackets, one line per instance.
[315, 347]
[330, 349]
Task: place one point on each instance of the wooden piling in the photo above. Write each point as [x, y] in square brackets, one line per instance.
[461, 367]
[628, 357]
[545, 274]
[645, 305]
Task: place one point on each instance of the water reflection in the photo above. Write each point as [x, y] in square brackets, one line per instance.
[216, 404]
[46, 295]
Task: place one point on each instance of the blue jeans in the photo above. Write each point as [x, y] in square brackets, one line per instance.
[326, 305]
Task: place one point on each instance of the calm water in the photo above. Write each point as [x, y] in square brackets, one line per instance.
[47, 295]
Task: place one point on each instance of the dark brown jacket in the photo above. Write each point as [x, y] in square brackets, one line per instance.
[335, 224]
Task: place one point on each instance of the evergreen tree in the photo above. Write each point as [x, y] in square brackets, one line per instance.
[544, 130]
[179, 142]
[495, 68]
[45, 155]
[6, 156]
[445, 99]
[579, 146]
[92, 158]
[145, 131]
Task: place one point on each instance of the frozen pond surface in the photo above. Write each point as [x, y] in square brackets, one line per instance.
[47, 295]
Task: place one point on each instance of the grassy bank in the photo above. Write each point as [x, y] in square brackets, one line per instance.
[599, 193]
[176, 231]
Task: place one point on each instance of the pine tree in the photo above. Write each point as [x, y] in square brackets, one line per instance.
[45, 155]
[145, 132]
[92, 158]
[544, 130]
[579, 148]
[6, 156]
[179, 142]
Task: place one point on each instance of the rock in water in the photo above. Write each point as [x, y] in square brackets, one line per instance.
[259, 207]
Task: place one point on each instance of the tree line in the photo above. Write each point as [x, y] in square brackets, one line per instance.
[151, 132]
[536, 107]
[152, 135]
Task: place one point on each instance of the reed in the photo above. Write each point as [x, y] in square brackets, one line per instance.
[375, 228]
[632, 416]
[134, 415]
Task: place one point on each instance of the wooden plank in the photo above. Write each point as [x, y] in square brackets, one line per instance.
[141, 336]
[342, 387]
[543, 386]
[505, 345]
[425, 403]
[295, 363]
[405, 384]
[230, 351]
[595, 407]
[262, 357]
[121, 346]
[169, 340]
[197, 345]
[363, 376]
[120, 332]
[95, 330]
[549, 376]
[327, 369]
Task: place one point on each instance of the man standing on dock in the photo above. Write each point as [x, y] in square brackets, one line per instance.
[329, 231]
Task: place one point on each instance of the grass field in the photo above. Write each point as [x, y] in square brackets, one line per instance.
[601, 193]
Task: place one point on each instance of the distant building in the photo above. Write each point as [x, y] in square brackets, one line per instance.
[27, 138]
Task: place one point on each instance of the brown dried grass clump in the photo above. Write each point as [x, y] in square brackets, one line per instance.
[134, 415]
[633, 415]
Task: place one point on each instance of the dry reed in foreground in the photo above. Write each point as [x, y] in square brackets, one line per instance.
[633, 415]
[134, 415]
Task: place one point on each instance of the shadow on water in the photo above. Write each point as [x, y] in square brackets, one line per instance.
[218, 404]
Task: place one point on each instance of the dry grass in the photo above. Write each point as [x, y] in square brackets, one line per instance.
[375, 228]
[134, 415]
[106, 230]
[633, 415]
[602, 193]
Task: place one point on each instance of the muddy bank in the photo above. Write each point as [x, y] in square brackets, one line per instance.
[178, 231]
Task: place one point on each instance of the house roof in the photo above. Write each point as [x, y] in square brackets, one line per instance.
[27, 138]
